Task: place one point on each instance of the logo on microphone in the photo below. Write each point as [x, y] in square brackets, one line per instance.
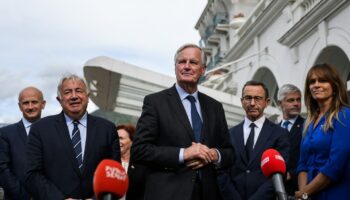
[115, 173]
[279, 157]
[264, 161]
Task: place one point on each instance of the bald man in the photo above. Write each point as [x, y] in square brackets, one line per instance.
[13, 140]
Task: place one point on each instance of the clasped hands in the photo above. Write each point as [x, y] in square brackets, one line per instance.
[198, 155]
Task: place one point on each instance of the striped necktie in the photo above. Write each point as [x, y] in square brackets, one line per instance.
[76, 141]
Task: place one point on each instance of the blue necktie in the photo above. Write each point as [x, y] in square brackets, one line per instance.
[196, 120]
[285, 124]
[249, 146]
[76, 141]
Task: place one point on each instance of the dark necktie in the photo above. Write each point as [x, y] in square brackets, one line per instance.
[250, 141]
[285, 124]
[196, 120]
[76, 141]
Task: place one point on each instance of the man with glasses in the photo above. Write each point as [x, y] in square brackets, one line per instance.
[250, 139]
[289, 101]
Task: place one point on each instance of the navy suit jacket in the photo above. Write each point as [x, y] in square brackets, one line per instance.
[245, 179]
[13, 139]
[162, 130]
[295, 137]
[52, 170]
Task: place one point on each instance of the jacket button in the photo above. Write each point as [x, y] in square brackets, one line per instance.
[247, 171]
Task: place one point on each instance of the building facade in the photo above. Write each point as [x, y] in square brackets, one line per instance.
[273, 41]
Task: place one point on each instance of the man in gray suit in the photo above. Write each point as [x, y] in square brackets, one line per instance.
[13, 139]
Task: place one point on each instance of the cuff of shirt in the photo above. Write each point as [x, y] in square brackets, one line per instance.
[217, 163]
[181, 155]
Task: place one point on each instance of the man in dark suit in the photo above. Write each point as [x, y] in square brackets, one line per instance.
[13, 139]
[250, 139]
[182, 139]
[64, 150]
[289, 100]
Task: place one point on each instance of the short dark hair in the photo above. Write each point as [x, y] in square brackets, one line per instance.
[256, 83]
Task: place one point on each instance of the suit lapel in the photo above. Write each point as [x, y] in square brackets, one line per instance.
[63, 131]
[205, 118]
[179, 112]
[90, 138]
[261, 141]
[21, 131]
[298, 124]
[239, 140]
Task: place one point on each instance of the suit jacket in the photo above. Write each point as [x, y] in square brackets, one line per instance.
[13, 139]
[52, 171]
[137, 181]
[294, 137]
[162, 130]
[245, 179]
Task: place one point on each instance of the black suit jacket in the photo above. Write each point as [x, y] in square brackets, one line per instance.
[294, 136]
[162, 130]
[245, 179]
[52, 171]
[13, 139]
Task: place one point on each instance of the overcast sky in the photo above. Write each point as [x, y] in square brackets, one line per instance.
[41, 40]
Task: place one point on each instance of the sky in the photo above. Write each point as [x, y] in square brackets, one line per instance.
[40, 41]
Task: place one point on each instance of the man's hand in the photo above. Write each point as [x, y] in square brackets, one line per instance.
[199, 155]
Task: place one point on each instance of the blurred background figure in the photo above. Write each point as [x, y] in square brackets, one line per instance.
[137, 173]
[289, 101]
[13, 139]
[126, 135]
[324, 166]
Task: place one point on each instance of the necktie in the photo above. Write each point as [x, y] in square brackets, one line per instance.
[196, 120]
[77, 144]
[285, 124]
[250, 141]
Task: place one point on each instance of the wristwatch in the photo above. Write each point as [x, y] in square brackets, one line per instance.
[305, 196]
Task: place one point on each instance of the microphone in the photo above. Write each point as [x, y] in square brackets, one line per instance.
[273, 165]
[110, 180]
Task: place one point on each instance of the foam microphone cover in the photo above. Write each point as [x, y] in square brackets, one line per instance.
[110, 178]
[272, 162]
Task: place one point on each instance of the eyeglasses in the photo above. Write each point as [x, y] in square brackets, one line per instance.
[249, 99]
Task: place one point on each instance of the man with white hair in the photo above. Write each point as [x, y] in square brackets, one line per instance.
[289, 101]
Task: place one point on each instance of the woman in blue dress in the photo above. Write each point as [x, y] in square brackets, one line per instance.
[324, 166]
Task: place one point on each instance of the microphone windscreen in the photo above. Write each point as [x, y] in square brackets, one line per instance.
[272, 162]
[110, 178]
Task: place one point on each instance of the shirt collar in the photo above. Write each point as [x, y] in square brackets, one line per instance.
[291, 120]
[26, 123]
[82, 120]
[259, 123]
[183, 94]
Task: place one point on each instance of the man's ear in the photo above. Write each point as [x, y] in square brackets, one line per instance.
[58, 99]
[268, 100]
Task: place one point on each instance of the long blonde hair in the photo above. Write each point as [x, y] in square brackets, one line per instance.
[340, 98]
